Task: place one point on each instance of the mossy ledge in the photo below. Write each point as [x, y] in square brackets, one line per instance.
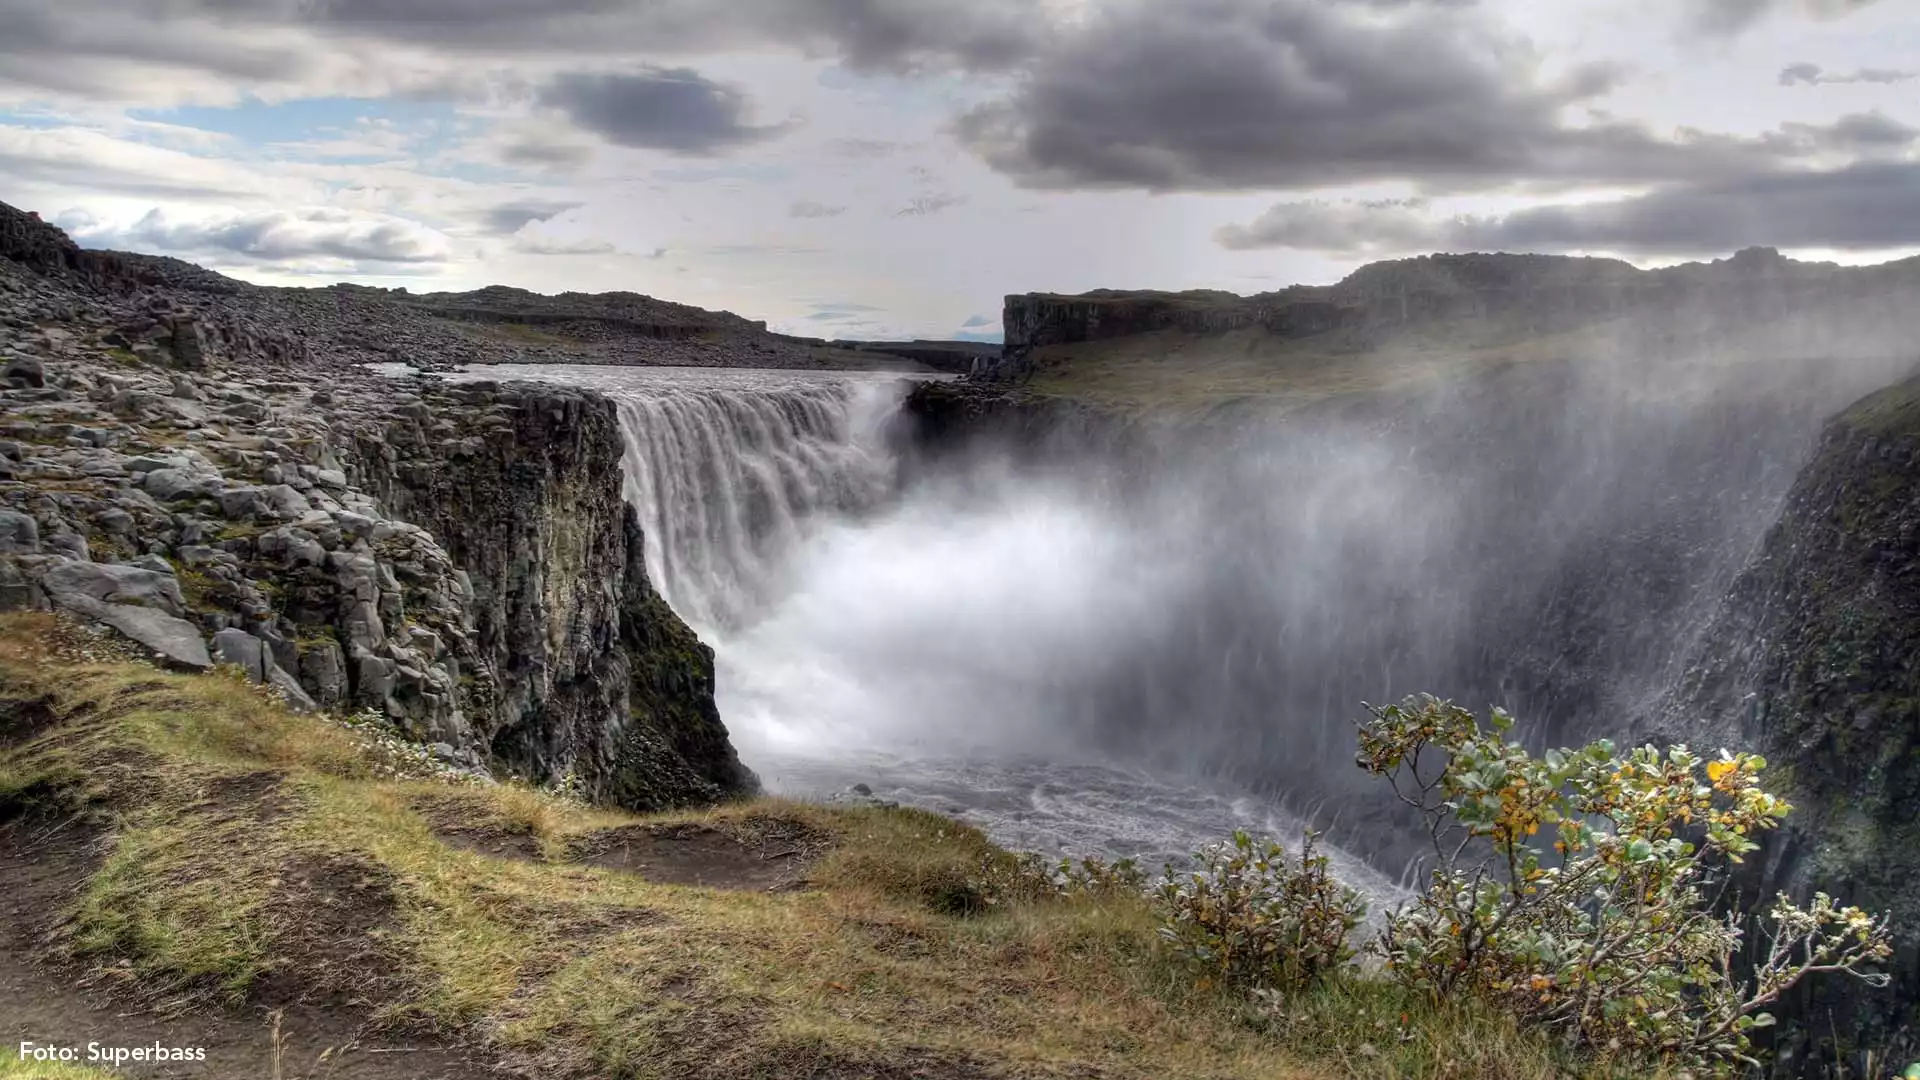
[900, 943]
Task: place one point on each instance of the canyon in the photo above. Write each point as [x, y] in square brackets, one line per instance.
[1127, 583]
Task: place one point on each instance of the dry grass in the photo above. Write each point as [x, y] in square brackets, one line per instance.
[916, 950]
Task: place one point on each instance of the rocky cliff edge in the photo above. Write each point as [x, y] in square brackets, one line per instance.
[457, 559]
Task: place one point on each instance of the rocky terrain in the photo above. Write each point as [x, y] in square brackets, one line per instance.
[345, 325]
[203, 467]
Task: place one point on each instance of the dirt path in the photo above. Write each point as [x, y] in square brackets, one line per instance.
[41, 865]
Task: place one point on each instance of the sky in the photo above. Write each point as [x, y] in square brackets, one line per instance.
[893, 168]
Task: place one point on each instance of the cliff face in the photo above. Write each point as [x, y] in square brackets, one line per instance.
[179, 466]
[1503, 296]
[1814, 661]
[591, 674]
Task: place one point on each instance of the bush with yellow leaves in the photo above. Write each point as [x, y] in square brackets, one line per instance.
[1609, 932]
[1251, 916]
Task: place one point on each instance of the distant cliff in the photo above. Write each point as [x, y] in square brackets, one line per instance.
[1491, 297]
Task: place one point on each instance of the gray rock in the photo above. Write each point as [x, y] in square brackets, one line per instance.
[244, 651]
[155, 562]
[19, 534]
[90, 590]
[245, 503]
[115, 521]
[196, 554]
[297, 698]
[175, 639]
[70, 544]
[179, 483]
[111, 583]
[26, 371]
[322, 669]
[287, 502]
[373, 679]
[18, 592]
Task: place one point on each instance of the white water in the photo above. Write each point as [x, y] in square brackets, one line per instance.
[929, 643]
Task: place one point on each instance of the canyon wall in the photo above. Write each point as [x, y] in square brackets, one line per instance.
[1814, 662]
[177, 463]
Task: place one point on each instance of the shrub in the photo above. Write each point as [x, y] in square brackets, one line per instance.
[1610, 934]
[1252, 917]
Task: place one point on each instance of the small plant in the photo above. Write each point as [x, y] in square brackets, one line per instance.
[1610, 934]
[1253, 917]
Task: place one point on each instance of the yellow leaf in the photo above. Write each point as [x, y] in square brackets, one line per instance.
[1718, 769]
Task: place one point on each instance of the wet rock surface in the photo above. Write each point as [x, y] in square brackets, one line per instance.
[1814, 661]
[203, 466]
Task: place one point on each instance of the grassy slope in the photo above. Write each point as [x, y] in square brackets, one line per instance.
[227, 815]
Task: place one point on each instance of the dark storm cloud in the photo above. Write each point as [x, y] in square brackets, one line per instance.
[1863, 207]
[1815, 75]
[673, 109]
[891, 35]
[509, 217]
[1224, 95]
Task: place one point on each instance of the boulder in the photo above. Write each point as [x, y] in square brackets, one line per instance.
[113, 595]
[244, 651]
[19, 534]
[26, 372]
[255, 657]
[179, 483]
[111, 583]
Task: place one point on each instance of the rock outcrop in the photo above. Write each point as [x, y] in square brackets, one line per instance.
[178, 462]
[1814, 661]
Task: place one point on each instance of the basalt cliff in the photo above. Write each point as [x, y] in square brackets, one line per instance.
[204, 467]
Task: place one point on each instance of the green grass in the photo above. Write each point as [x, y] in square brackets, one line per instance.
[12, 1068]
[918, 948]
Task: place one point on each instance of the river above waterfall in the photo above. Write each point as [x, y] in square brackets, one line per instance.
[866, 637]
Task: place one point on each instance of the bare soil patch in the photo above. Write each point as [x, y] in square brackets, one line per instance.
[702, 855]
[312, 1033]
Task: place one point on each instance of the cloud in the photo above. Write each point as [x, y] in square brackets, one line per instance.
[975, 321]
[1239, 95]
[807, 208]
[510, 217]
[1867, 206]
[1815, 75]
[78, 159]
[673, 109]
[545, 245]
[861, 149]
[873, 35]
[928, 205]
[1727, 18]
[281, 235]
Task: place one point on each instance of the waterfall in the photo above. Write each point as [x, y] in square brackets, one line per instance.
[728, 483]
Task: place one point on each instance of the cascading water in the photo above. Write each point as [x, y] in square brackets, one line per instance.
[944, 645]
[1136, 648]
[728, 483]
